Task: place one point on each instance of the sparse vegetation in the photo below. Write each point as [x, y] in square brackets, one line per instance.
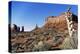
[52, 36]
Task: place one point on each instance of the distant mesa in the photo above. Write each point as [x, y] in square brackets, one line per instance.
[59, 22]
[16, 28]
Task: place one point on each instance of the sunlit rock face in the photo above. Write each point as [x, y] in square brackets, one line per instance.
[59, 22]
[56, 22]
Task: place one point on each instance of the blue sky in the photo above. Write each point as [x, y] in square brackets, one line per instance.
[29, 14]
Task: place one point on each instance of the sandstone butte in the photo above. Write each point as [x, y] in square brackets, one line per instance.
[59, 22]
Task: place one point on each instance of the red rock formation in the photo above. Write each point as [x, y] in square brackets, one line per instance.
[57, 22]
